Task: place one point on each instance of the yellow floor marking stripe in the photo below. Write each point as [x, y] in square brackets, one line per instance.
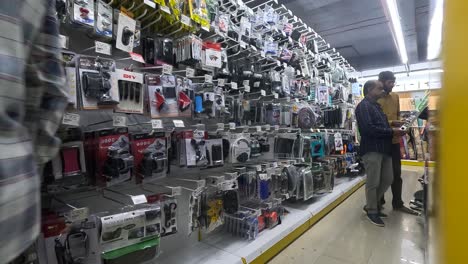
[283, 243]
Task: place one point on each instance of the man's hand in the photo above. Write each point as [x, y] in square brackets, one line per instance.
[397, 123]
[399, 132]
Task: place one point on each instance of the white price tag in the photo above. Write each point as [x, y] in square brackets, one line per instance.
[275, 164]
[136, 57]
[220, 126]
[139, 199]
[63, 41]
[178, 123]
[247, 89]
[165, 9]
[278, 63]
[186, 20]
[102, 47]
[232, 126]
[78, 214]
[189, 72]
[258, 128]
[233, 85]
[288, 99]
[263, 92]
[275, 95]
[119, 121]
[206, 28]
[242, 44]
[245, 82]
[156, 124]
[176, 191]
[267, 127]
[167, 69]
[150, 3]
[285, 65]
[253, 47]
[258, 167]
[221, 82]
[276, 127]
[71, 119]
[290, 40]
[208, 78]
[297, 100]
[256, 84]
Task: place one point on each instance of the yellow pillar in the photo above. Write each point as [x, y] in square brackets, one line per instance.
[452, 177]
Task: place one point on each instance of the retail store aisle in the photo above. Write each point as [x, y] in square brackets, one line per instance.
[345, 236]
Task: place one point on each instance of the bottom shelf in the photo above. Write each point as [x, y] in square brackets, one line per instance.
[220, 247]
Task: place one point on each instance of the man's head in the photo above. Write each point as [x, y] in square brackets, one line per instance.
[373, 89]
[388, 80]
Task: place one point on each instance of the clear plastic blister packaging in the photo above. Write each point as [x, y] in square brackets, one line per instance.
[103, 23]
[243, 223]
[82, 12]
[96, 82]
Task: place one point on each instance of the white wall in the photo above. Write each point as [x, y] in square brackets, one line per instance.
[422, 76]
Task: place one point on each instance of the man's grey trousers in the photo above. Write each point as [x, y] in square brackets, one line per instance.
[379, 172]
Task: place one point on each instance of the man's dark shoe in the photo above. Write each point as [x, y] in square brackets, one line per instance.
[381, 215]
[375, 219]
[406, 210]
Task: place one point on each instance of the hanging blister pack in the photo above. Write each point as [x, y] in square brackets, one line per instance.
[239, 148]
[70, 60]
[83, 12]
[196, 150]
[162, 95]
[185, 96]
[131, 92]
[169, 217]
[125, 33]
[150, 152]
[214, 150]
[113, 159]
[95, 76]
[103, 22]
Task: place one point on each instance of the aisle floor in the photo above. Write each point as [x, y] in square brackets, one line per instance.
[345, 236]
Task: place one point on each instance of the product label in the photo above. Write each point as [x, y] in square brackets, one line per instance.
[77, 214]
[71, 119]
[139, 199]
[233, 85]
[119, 121]
[167, 69]
[263, 92]
[178, 123]
[156, 124]
[103, 48]
[186, 20]
[189, 72]
[165, 9]
[136, 57]
[150, 3]
[221, 82]
[232, 126]
[208, 78]
[247, 89]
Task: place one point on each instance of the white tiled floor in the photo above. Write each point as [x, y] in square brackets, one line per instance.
[346, 237]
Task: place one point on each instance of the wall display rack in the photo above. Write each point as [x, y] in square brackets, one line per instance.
[191, 122]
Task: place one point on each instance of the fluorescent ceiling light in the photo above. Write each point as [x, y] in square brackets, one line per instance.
[397, 29]
[434, 40]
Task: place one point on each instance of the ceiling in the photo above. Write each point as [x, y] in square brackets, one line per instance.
[360, 31]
